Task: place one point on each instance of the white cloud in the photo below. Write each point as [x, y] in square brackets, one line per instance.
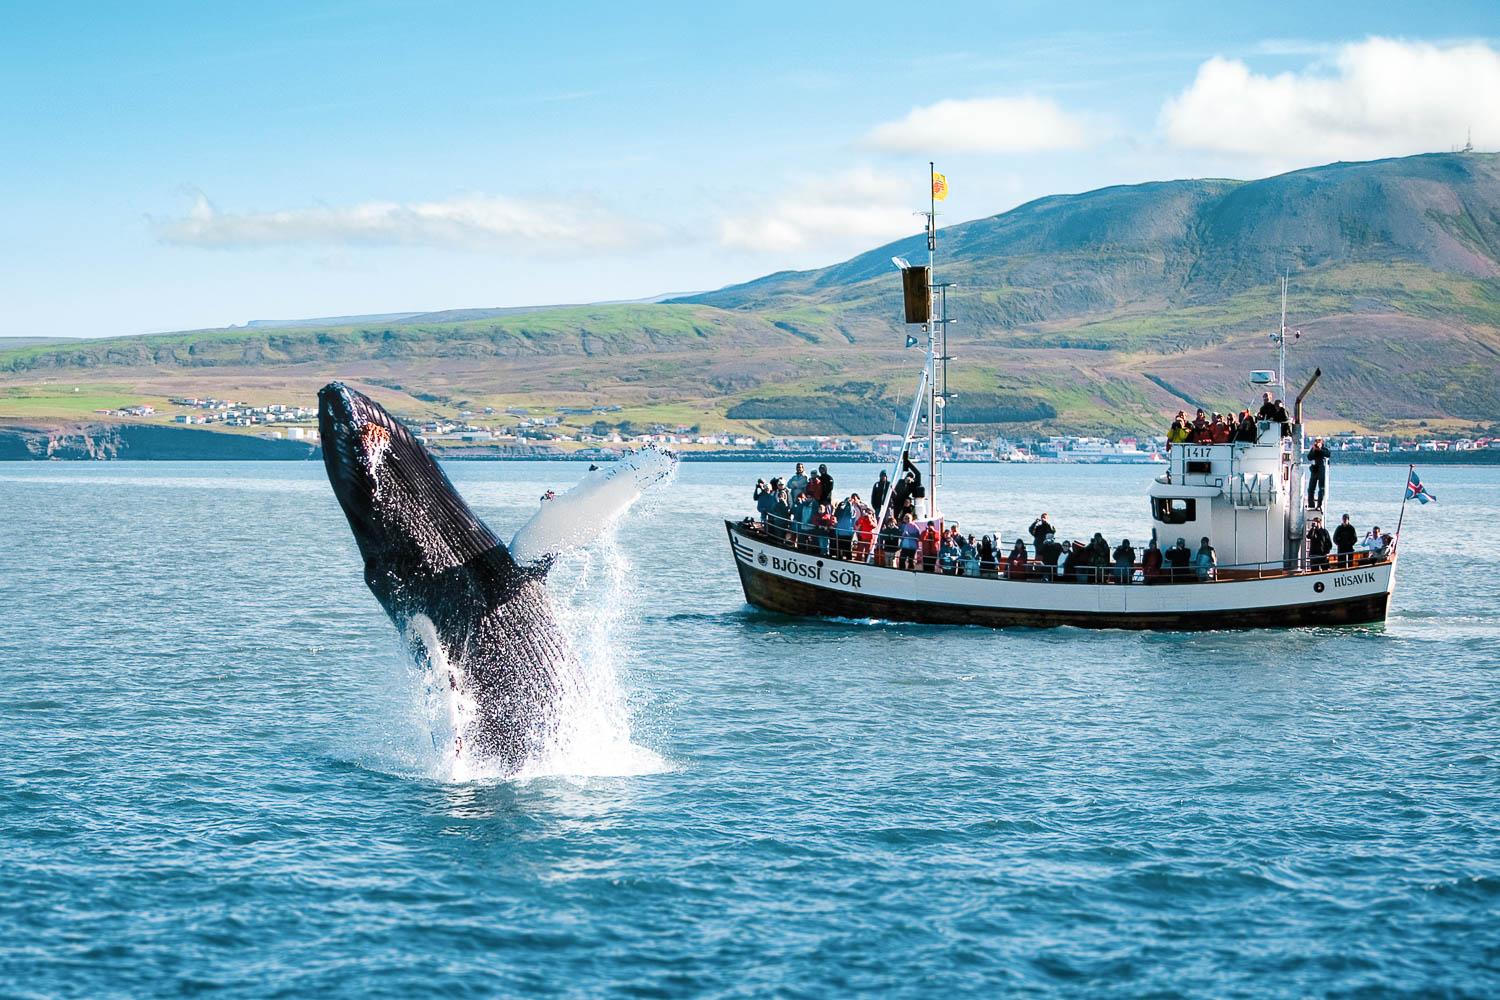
[852, 209]
[467, 223]
[1379, 97]
[983, 125]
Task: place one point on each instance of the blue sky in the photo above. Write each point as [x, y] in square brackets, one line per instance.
[171, 166]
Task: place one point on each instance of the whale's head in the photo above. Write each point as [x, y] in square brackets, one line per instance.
[407, 518]
[357, 439]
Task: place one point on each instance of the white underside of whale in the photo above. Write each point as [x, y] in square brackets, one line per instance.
[575, 518]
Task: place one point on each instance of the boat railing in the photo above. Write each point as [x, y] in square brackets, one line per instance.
[877, 551]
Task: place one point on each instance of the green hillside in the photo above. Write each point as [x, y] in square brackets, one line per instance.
[1092, 311]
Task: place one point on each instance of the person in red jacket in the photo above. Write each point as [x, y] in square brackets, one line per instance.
[864, 534]
[1151, 562]
[1015, 565]
[932, 541]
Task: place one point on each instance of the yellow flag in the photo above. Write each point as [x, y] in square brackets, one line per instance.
[939, 187]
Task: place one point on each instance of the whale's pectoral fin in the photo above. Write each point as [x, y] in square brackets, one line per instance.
[580, 515]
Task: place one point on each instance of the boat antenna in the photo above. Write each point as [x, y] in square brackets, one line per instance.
[1279, 338]
[1281, 341]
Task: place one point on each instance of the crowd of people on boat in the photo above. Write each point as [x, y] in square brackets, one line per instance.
[804, 512]
[1222, 428]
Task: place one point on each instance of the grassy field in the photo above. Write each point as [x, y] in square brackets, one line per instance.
[698, 382]
[68, 401]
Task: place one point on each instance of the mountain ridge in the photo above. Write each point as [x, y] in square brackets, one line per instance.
[1216, 226]
[1085, 311]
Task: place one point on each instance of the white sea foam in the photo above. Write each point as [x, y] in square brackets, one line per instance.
[592, 595]
[447, 706]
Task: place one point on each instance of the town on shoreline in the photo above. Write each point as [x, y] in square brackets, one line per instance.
[215, 425]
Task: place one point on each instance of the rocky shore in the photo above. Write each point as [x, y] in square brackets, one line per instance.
[110, 441]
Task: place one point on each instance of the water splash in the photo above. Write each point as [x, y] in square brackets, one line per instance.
[592, 593]
[447, 705]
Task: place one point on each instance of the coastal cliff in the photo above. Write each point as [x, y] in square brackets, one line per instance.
[107, 442]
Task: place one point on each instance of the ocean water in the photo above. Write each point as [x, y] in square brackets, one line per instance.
[216, 774]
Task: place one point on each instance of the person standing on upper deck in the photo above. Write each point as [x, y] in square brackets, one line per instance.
[844, 514]
[1051, 557]
[1015, 563]
[1178, 558]
[1246, 429]
[932, 543]
[1151, 561]
[864, 534]
[1284, 417]
[1220, 431]
[989, 559]
[888, 551]
[779, 513]
[1205, 560]
[1317, 476]
[807, 513]
[1124, 561]
[1319, 544]
[798, 482]
[950, 553]
[1178, 432]
[765, 498]
[823, 528]
[911, 537]
[1098, 557]
[1345, 536]
[1039, 530]
[814, 488]
[879, 490]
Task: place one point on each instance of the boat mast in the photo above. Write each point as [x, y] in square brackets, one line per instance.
[932, 388]
[937, 383]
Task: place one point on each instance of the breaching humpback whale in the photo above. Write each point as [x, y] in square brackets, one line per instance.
[444, 577]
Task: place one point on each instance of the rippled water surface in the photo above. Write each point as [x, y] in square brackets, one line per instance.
[214, 775]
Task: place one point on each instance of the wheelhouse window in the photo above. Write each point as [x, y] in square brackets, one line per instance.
[1175, 510]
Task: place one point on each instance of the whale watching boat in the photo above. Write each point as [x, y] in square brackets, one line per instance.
[1247, 497]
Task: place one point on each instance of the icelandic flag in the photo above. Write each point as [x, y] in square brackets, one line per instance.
[1415, 490]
